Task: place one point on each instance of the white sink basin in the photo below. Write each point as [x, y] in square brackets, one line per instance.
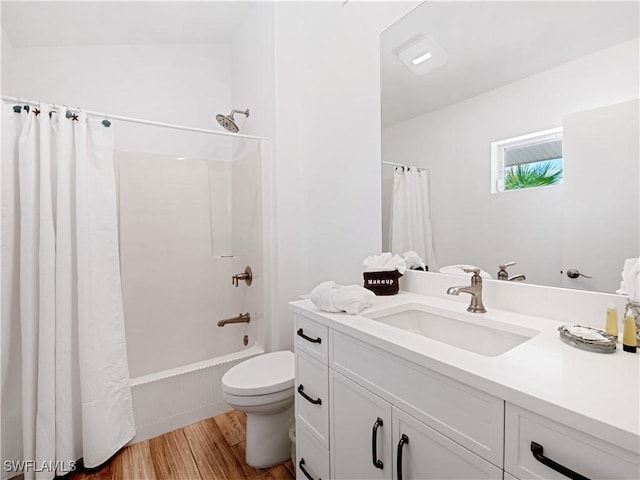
[470, 331]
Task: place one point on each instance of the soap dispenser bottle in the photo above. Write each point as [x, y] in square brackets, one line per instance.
[629, 338]
[612, 321]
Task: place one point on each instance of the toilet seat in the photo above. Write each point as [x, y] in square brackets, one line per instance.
[241, 401]
[262, 375]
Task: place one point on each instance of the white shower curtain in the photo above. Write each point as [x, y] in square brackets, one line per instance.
[411, 215]
[65, 379]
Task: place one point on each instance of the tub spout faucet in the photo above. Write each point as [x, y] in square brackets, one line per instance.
[475, 290]
[241, 318]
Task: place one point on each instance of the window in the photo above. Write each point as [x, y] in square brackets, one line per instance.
[529, 161]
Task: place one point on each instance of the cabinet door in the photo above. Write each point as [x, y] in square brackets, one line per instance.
[360, 431]
[423, 453]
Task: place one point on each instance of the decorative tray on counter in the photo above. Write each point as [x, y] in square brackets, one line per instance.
[587, 338]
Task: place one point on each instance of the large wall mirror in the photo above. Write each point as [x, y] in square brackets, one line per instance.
[523, 117]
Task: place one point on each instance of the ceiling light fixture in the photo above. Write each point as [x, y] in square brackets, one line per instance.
[422, 58]
[416, 54]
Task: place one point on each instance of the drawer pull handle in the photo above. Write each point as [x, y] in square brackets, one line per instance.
[404, 440]
[374, 445]
[308, 339]
[318, 401]
[306, 474]
[537, 451]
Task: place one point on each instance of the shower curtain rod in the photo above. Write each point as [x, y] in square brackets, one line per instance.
[134, 120]
[393, 164]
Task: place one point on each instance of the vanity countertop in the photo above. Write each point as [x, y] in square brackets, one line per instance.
[593, 392]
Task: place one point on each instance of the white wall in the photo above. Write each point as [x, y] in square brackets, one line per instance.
[327, 179]
[179, 84]
[471, 225]
[252, 70]
[601, 194]
[252, 73]
[7, 60]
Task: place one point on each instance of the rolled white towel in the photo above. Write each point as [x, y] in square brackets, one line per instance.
[413, 260]
[630, 284]
[385, 262]
[330, 297]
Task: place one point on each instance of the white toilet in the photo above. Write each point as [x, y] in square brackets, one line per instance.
[262, 387]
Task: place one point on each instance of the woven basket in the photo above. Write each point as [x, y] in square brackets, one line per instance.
[382, 283]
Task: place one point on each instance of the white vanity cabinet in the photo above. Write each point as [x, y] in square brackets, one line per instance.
[349, 415]
[370, 407]
[372, 439]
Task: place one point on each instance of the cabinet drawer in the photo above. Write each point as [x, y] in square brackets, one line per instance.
[312, 396]
[589, 456]
[470, 417]
[312, 459]
[312, 338]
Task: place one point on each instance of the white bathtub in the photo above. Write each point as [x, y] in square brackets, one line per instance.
[171, 399]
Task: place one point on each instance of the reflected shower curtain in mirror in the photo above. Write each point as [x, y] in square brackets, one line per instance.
[411, 215]
[65, 379]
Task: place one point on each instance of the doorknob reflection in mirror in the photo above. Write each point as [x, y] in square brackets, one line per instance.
[575, 273]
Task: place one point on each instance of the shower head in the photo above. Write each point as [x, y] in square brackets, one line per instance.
[228, 122]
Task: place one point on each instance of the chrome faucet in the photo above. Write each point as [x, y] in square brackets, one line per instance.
[504, 275]
[475, 290]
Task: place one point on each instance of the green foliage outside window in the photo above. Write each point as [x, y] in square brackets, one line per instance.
[529, 175]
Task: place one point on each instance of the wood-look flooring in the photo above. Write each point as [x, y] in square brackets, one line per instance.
[208, 450]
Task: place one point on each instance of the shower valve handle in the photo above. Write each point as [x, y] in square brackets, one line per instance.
[247, 276]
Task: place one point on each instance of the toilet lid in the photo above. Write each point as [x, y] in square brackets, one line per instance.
[268, 373]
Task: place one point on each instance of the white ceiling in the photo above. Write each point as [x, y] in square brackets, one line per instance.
[490, 44]
[50, 23]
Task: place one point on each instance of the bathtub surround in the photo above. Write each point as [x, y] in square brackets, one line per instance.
[170, 399]
[66, 393]
[187, 226]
